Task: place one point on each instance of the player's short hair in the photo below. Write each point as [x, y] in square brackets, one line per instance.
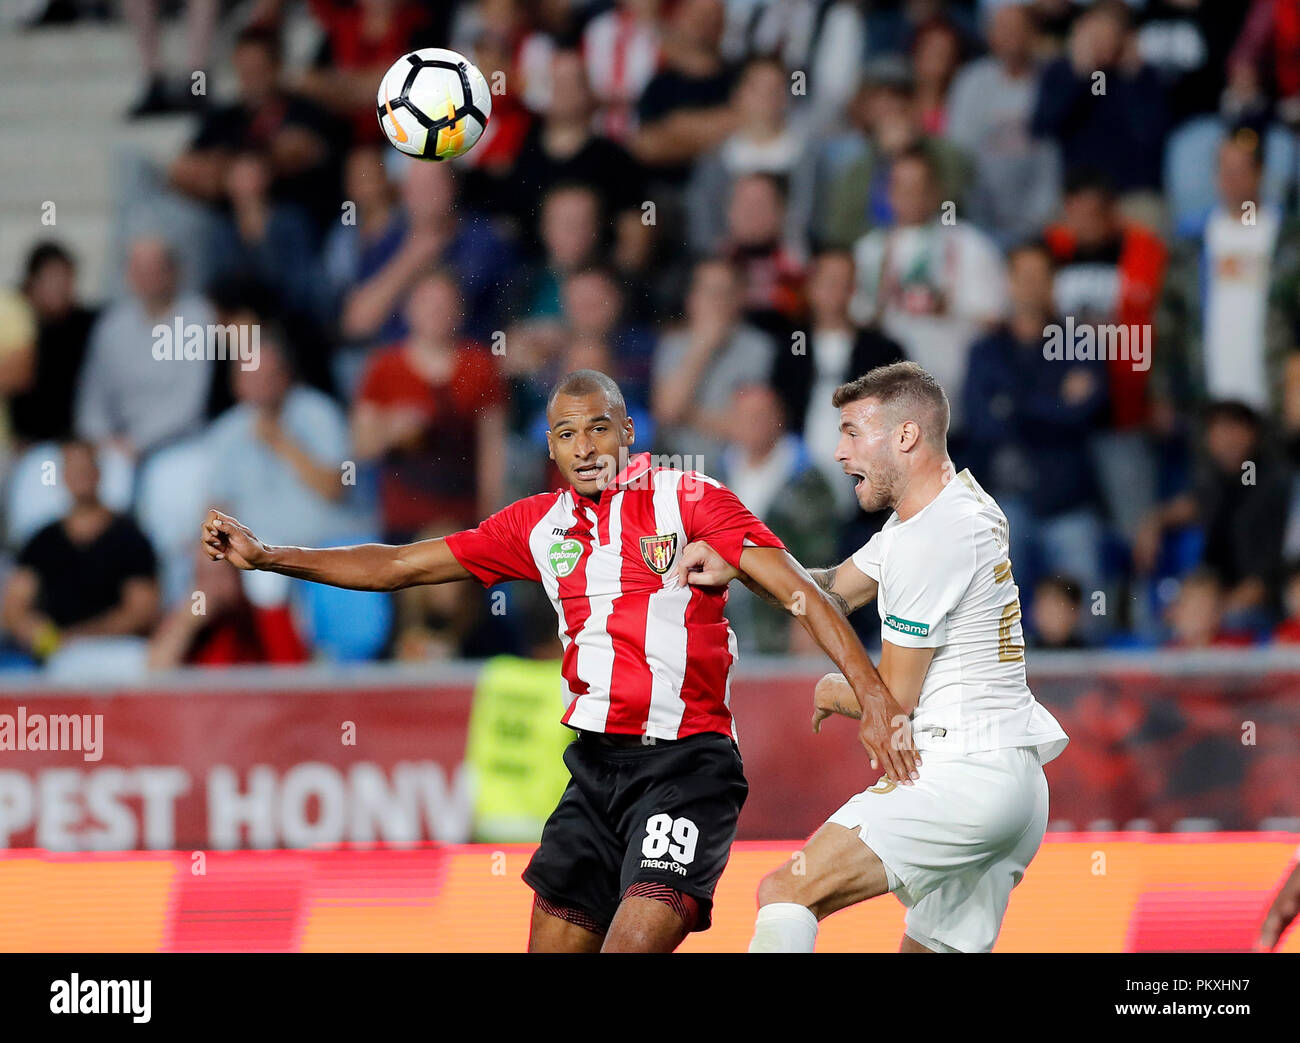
[589, 382]
[904, 388]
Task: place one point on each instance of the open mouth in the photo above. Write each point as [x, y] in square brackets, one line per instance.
[589, 472]
[858, 478]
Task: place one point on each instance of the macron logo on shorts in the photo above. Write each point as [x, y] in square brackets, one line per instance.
[906, 626]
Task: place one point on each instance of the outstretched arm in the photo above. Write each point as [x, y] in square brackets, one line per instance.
[845, 584]
[884, 728]
[369, 566]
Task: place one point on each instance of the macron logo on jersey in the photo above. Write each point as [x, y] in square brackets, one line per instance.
[906, 626]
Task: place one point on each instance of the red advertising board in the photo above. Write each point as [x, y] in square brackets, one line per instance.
[256, 768]
[262, 763]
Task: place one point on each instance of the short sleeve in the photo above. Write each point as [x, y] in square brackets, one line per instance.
[867, 558]
[498, 548]
[922, 584]
[713, 513]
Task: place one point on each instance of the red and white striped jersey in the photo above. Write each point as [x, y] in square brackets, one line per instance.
[642, 654]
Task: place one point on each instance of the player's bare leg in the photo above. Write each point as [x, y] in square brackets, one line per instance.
[645, 925]
[834, 870]
[551, 933]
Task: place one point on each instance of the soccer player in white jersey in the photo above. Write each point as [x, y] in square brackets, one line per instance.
[953, 845]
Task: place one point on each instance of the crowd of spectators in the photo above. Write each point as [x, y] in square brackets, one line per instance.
[731, 206]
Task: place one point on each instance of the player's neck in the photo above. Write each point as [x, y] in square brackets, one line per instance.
[921, 486]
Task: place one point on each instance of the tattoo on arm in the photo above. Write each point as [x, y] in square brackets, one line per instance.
[825, 578]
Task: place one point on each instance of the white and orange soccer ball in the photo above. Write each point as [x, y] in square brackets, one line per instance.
[433, 104]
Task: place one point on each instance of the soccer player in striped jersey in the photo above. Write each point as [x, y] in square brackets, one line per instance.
[952, 846]
[629, 860]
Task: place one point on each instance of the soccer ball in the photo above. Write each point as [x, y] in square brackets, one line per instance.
[433, 104]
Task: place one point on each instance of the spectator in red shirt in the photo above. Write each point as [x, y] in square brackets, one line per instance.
[1109, 270]
[362, 40]
[1266, 60]
[430, 413]
[494, 52]
[228, 630]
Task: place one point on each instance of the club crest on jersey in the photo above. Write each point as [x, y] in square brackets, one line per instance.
[563, 556]
[658, 551]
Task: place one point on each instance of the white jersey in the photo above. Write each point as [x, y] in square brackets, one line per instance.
[945, 583]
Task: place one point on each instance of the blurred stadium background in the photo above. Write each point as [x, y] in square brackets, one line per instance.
[731, 207]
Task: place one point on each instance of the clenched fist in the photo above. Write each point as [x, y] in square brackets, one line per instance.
[225, 539]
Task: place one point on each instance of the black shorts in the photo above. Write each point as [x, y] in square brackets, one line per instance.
[662, 813]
